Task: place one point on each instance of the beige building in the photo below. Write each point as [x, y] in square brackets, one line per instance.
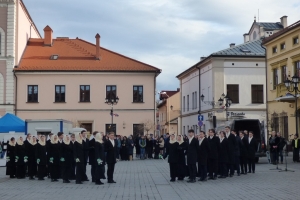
[16, 27]
[168, 112]
[70, 79]
[283, 62]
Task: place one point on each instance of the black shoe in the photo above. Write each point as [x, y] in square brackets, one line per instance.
[86, 180]
[180, 179]
[55, 180]
[203, 180]
[249, 172]
[215, 178]
[98, 183]
[41, 179]
[31, 178]
[191, 181]
[172, 180]
[220, 176]
[230, 175]
[210, 178]
[93, 180]
[52, 180]
[242, 173]
[112, 181]
[78, 182]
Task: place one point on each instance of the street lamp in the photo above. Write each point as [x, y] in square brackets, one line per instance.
[112, 101]
[292, 86]
[168, 109]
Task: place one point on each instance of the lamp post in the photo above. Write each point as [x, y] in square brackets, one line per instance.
[112, 101]
[168, 109]
[292, 86]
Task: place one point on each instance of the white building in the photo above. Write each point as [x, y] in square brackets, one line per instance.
[239, 72]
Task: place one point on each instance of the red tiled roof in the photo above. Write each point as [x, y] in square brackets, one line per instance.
[76, 55]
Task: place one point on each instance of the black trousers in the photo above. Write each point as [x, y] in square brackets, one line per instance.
[55, 171]
[243, 163]
[66, 170]
[93, 172]
[296, 155]
[173, 170]
[251, 164]
[110, 171]
[230, 169]
[73, 170]
[212, 167]
[202, 171]
[84, 169]
[32, 169]
[223, 169]
[193, 171]
[41, 171]
[237, 164]
[21, 171]
[181, 170]
[79, 172]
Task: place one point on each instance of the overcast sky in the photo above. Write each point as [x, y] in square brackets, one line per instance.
[169, 34]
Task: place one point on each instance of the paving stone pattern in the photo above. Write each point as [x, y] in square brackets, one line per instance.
[149, 179]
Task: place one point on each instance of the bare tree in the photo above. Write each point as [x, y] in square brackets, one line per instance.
[148, 125]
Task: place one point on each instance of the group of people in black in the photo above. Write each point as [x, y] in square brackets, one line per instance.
[62, 156]
[211, 156]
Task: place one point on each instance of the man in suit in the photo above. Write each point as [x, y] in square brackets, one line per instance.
[231, 145]
[243, 153]
[237, 152]
[251, 155]
[192, 156]
[85, 143]
[214, 144]
[111, 156]
[202, 155]
[92, 155]
[27, 146]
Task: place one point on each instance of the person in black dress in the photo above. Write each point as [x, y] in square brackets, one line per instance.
[73, 163]
[92, 155]
[150, 147]
[99, 159]
[181, 166]
[10, 158]
[32, 167]
[213, 156]
[85, 153]
[21, 158]
[124, 149]
[172, 153]
[202, 156]
[251, 152]
[223, 155]
[111, 153]
[66, 158]
[137, 146]
[78, 153]
[53, 156]
[41, 157]
[192, 156]
[244, 153]
[130, 147]
[156, 148]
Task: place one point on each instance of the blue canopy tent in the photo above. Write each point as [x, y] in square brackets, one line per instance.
[10, 122]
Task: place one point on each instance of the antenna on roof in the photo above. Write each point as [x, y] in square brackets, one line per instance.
[254, 18]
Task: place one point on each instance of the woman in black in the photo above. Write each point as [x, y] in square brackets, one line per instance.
[10, 158]
[156, 147]
[32, 167]
[21, 158]
[53, 156]
[150, 147]
[41, 157]
[66, 158]
[172, 152]
[181, 166]
[99, 159]
[223, 155]
[124, 149]
[130, 147]
[78, 153]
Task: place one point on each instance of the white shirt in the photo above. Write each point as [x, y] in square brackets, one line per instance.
[211, 137]
[190, 139]
[221, 139]
[200, 141]
[242, 138]
[250, 138]
[112, 142]
[227, 135]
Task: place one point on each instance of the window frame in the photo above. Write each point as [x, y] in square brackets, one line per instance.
[295, 40]
[274, 49]
[297, 67]
[188, 102]
[133, 95]
[283, 73]
[257, 91]
[60, 93]
[106, 91]
[183, 104]
[275, 78]
[232, 96]
[80, 97]
[31, 100]
[282, 46]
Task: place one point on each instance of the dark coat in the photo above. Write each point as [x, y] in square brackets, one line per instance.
[99, 154]
[130, 147]
[232, 147]
[252, 148]
[192, 152]
[11, 152]
[92, 151]
[281, 144]
[224, 151]
[78, 152]
[53, 152]
[137, 145]
[293, 144]
[111, 156]
[41, 153]
[274, 144]
[181, 153]
[214, 145]
[31, 153]
[203, 152]
[27, 144]
[244, 147]
[66, 152]
[172, 152]
[86, 149]
[21, 153]
[238, 146]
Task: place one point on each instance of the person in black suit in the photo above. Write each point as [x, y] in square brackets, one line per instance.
[10, 158]
[237, 152]
[32, 167]
[92, 156]
[78, 153]
[223, 154]
[111, 156]
[66, 158]
[192, 156]
[27, 147]
[274, 142]
[202, 155]
[181, 166]
[99, 159]
[53, 156]
[295, 147]
[213, 156]
[137, 146]
[243, 153]
[85, 143]
[251, 153]
[21, 158]
[41, 157]
[232, 146]
[172, 152]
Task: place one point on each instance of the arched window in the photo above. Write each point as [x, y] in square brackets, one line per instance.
[2, 42]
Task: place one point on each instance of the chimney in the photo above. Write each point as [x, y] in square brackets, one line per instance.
[97, 46]
[48, 39]
[283, 21]
[232, 45]
[246, 37]
[202, 58]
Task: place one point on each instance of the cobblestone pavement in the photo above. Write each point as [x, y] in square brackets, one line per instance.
[149, 179]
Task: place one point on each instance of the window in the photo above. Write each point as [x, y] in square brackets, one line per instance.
[138, 129]
[282, 46]
[275, 78]
[188, 102]
[274, 49]
[32, 93]
[195, 100]
[84, 93]
[183, 104]
[283, 74]
[257, 93]
[110, 128]
[60, 93]
[137, 93]
[111, 91]
[297, 68]
[233, 93]
[296, 40]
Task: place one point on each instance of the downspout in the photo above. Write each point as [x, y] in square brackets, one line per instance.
[16, 93]
[267, 104]
[199, 112]
[155, 106]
